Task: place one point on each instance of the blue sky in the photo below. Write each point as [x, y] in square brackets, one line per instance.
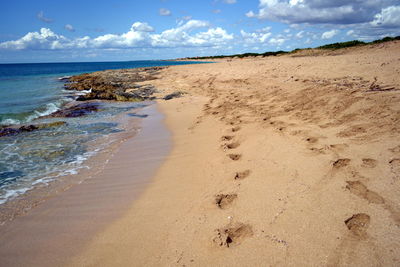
[88, 30]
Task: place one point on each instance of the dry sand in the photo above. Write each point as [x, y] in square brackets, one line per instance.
[278, 161]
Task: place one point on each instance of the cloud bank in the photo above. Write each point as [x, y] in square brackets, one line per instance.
[382, 12]
[140, 35]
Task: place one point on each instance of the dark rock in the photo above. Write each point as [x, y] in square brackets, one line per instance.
[137, 115]
[77, 110]
[28, 128]
[9, 131]
[173, 95]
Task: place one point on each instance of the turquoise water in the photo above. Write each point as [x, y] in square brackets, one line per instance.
[30, 91]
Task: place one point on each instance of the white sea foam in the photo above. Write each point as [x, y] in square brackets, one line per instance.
[50, 108]
[9, 122]
[83, 92]
[47, 110]
[64, 78]
[12, 193]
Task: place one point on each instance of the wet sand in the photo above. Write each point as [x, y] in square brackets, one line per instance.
[279, 161]
[51, 233]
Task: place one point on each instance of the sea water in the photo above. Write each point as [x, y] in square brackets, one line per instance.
[30, 91]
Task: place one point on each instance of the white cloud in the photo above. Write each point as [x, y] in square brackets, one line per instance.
[255, 37]
[265, 29]
[45, 39]
[388, 17]
[251, 14]
[350, 33]
[300, 34]
[41, 17]
[277, 41]
[322, 11]
[329, 34]
[141, 27]
[216, 11]
[180, 36]
[140, 34]
[164, 12]
[69, 27]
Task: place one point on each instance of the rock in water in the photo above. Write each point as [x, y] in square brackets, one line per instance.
[77, 110]
[9, 131]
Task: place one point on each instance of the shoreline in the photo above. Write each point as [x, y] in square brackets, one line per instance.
[98, 150]
[34, 238]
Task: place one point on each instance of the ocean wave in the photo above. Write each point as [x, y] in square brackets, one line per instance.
[69, 169]
[50, 108]
[26, 117]
[9, 121]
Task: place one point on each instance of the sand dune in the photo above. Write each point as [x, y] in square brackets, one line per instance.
[278, 161]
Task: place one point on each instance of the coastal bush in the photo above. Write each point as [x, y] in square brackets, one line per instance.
[333, 46]
[342, 45]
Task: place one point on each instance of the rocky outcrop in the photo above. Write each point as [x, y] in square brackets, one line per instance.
[119, 85]
[9, 131]
[78, 110]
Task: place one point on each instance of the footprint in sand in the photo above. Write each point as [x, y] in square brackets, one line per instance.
[311, 140]
[355, 243]
[224, 201]
[340, 163]
[234, 156]
[227, 138]
[231, 145]
[236, 129]
[235, 122]
[369, 163]
[232, 234]
[358, 224]
[242, 175]
[360, 190]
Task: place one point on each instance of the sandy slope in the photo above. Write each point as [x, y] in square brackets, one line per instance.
[281, 161]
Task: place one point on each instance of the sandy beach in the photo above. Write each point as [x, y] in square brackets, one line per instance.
[278, 161]
[291, 160]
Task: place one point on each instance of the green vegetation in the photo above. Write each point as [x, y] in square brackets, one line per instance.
[342, 45]
[386, 39]
[333, 46]
[266, 54]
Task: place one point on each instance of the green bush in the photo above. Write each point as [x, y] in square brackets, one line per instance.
[328, 46]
